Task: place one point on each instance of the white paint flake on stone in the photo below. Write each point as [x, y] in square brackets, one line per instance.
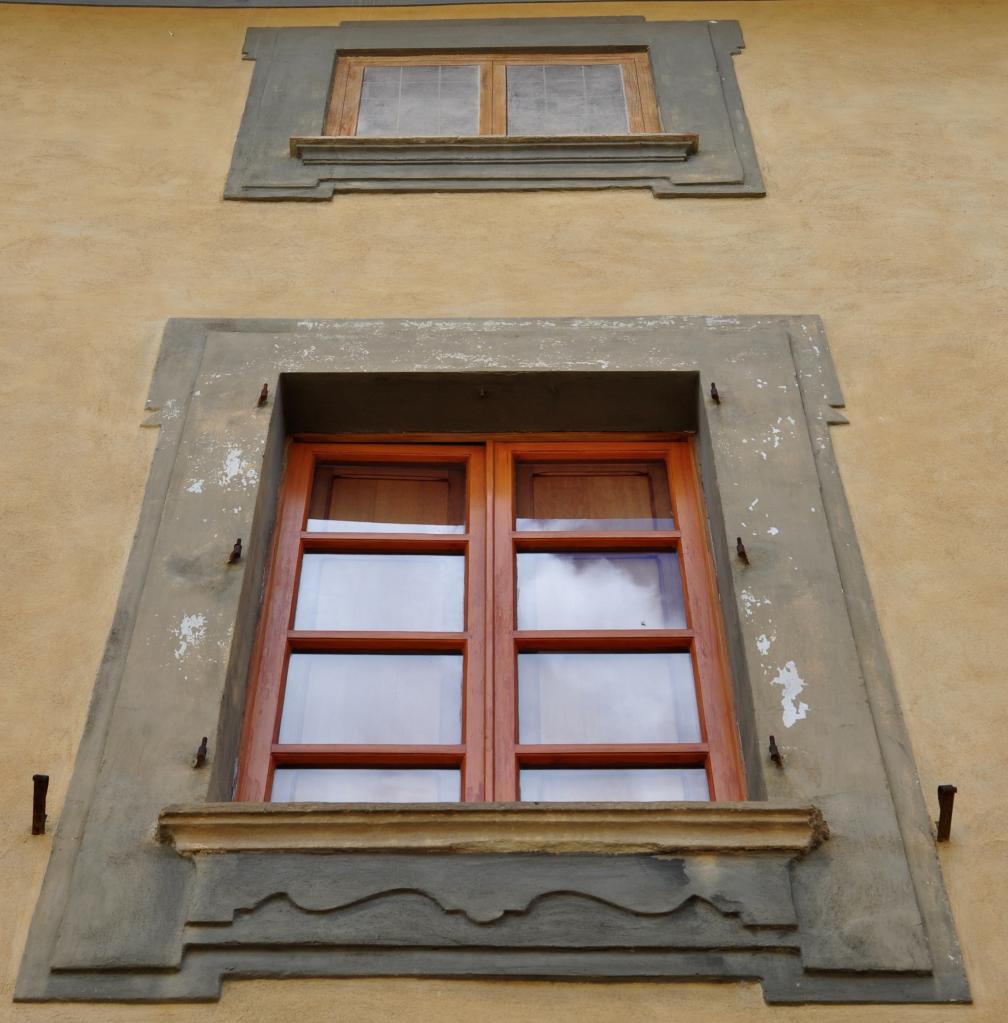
[750, 602]
[773, 531]
[195, 487]
[792, 685]
[236, 471]
[191, 632]
[763, 643]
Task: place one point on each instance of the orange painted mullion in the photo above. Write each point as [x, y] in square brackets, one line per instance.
[710, 660]
[486, 93]
[625, 755]
[505, 682]
[498, 119]
[474, 736]
[589, 540]
[350, 106]
[489, 631]
[270, 653]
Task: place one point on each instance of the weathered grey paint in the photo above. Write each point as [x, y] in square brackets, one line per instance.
[862, 918]
[694, 81]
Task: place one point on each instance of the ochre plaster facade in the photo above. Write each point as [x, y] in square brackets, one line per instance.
[878, 131]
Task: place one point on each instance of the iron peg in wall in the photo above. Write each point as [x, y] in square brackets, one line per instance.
[41, 782]
[775, 753]
[946, 800]
[201, 754]
[263, 395]
[715, 397]
[236, 552]
[741, 551]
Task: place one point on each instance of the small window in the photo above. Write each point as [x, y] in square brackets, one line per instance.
[524, 95]
[499, 620]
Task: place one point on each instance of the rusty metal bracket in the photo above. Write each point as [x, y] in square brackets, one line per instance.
[946, 801]
[775, 753]
[201, 754]
[41, 783]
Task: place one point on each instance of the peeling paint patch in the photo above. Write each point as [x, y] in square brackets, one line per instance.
[195, 487]
[191, 632]
[773, 531]
[792, 685]
[750, 602]
[236, 471]
[753, 505]
[763, 643]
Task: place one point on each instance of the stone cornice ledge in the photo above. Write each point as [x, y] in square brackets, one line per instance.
[612, 828]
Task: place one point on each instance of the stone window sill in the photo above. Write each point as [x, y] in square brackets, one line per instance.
[609, 828]
[315, 149]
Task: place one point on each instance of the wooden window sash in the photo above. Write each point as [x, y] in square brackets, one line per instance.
[703, 637]
[277, 639]
[638, 84]
[490, 755]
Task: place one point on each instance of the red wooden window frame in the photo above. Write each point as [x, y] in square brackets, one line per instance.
[490, 756]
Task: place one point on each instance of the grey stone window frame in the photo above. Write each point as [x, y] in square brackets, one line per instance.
[280, 152]
[158, 888]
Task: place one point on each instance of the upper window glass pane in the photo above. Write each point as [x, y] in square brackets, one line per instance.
[381, 592]
[593, 495]
[404, 101]
[358, 498]
[566, 99]
[639, 590]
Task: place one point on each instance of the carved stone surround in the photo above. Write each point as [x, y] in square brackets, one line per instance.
[707, 150]
[124, 916]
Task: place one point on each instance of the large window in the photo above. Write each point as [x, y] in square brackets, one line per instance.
[521, 94]
[492, 620]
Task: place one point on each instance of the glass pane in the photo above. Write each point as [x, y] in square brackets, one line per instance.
[373, 698]
[613, 785]
[586, 495]
[606, 698]
[381, 592]
[631, 590]
[387, 499]
[566, 99]
[365, 785]
[398, 102]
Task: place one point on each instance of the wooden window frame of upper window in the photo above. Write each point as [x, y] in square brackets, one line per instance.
[643, 117]
[490, 756]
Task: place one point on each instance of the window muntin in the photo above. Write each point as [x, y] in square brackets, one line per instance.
[520, 95]
[514, 693]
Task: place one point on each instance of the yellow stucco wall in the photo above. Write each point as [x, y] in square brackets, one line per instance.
[880, 131]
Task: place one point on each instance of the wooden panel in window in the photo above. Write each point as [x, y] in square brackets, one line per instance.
[592, 495]
[387, 498]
